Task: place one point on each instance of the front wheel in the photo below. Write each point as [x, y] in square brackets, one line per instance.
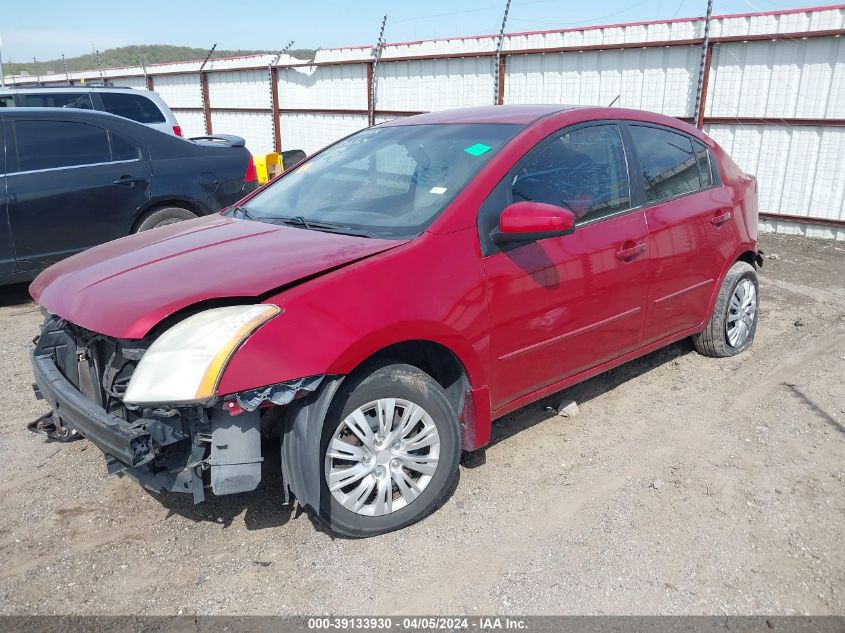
[732, 326]
[390, 450]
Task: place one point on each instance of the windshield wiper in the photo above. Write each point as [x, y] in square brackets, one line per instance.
[316, 225]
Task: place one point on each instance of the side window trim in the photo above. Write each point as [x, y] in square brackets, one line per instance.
[628, 123]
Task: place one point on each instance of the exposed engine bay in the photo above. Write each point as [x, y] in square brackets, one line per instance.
[84, 377]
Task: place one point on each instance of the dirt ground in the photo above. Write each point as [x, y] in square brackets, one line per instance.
[685, 485]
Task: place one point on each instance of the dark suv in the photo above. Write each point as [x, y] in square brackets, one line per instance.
[71, 179]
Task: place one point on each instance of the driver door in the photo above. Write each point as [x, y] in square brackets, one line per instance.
[562, 305]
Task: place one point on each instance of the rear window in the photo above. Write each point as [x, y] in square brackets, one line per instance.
[80, 100]
[135, 107]
[54, 144]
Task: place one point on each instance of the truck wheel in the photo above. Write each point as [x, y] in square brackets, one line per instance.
[390, 448]
[163, 217]
[733, 324]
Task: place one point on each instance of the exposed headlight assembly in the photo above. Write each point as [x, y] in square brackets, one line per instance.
[184, 365]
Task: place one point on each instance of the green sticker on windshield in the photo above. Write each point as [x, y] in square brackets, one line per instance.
[478, 149]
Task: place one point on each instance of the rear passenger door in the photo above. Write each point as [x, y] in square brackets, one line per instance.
[74, 185]
[7, 252]
[690, 237]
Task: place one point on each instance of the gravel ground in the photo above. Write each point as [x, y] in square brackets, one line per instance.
[685, 485]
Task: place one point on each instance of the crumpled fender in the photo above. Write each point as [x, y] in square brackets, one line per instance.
[301, 456]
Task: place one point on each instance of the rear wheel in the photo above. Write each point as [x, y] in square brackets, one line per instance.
[162, 217]
[732, 326]
[390, 449]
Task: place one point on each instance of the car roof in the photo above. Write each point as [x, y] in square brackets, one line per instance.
[62, 113]
[78, 88]
[528, 114]
[519, 114]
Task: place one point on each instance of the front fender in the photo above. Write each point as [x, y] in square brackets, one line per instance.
[432, 291]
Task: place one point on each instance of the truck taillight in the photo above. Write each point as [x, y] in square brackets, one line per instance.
[177, 130]
[251, 174]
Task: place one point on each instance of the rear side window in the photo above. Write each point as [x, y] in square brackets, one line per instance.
[135, 107]
[705, 165]
[668, 162]
[53, 144]
[7, 102]
[583, 170]
[123, 149]
[80, 100]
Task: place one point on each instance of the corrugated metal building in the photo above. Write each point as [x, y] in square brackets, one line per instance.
[775, 92]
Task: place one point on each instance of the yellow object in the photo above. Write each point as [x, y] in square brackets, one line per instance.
[268, 166]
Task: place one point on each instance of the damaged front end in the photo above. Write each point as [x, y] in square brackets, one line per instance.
[84, 377]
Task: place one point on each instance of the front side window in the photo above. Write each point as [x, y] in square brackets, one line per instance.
[53, 144]
[384, 181]
[583, 170]
[129, 106]
[81, 100]
[667, 161]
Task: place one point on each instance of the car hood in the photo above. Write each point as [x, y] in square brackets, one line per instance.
[124, 288]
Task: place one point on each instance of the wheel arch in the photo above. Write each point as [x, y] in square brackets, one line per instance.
[154, 205]
[469, 401]
[745, 253]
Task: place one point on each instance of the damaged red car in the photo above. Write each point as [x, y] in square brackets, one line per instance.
[378, 305]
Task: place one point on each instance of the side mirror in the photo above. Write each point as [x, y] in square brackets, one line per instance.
[524, 221]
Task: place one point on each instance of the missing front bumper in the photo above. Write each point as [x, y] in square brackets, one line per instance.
[164, 452]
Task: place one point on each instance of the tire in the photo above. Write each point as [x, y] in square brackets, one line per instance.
[716, 339]
[162, 217]
[375, 387]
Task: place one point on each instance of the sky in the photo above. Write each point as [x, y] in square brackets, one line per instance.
[73, 27]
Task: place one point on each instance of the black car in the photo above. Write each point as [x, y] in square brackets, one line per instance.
[71, 179]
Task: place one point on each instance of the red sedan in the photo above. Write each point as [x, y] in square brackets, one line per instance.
[382, 302]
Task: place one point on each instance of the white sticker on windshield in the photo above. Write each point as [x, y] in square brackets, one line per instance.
[438, 190]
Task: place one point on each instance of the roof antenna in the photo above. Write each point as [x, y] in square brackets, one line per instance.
[610, 105]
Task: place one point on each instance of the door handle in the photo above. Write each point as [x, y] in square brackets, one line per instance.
[720, 217]
[630, 250]
[128, 181]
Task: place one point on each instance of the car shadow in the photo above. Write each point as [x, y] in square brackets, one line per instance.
[265, 507]
[14, 295]
[506, 427]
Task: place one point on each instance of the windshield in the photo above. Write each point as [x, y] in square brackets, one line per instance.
[383, 181]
